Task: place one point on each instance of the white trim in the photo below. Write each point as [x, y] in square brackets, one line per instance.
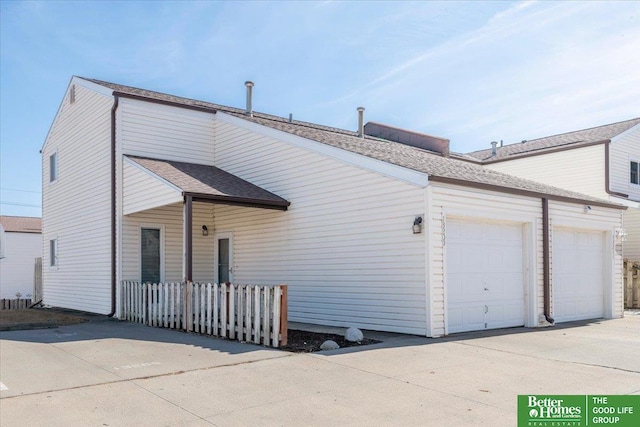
[428, 252]
[398, 172]
[216, 237]
[153, 226]
[151, 174]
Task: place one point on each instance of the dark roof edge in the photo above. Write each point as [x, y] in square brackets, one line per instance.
[165, 102]
[239, 201]
[538, 152]
[519, 192]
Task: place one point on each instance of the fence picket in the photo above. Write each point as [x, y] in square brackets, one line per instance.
[250, 313]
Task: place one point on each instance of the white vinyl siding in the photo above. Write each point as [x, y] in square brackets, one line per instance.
[624, 149]
[581, 170]
[76, 210]
[16, 268]
[632, 228]
[345, 247]
[165, 132]
[144, 191]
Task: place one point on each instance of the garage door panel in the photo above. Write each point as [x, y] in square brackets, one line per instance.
[578, 275]
[485, 282]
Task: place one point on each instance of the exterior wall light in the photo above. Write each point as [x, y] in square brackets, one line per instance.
[417, 225]
[620, 235]
[205, 230]
[587, 209]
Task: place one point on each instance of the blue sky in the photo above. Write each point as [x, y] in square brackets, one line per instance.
[472, 72]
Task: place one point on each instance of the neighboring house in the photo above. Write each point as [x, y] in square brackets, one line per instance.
[603, 162]
[20, 245]
[379, 229]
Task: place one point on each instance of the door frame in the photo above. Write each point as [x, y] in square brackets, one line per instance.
[216, 238]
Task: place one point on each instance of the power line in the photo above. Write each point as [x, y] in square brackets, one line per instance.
[22, 191]
[20, 204]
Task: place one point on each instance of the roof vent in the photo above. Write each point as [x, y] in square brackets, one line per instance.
[361, 122]
[249, 85]
[494, 148]
[407, 137]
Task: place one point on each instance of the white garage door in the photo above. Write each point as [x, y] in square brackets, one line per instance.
[485, 281]
[578, 275]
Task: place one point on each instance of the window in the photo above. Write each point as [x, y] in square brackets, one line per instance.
[72, 94]
[53, 167]
[635, 172]
[150, 261]
[53, 253]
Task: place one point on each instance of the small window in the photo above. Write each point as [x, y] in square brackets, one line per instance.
[72, 94]
[53, 167]
[635, 172]
[53, 252]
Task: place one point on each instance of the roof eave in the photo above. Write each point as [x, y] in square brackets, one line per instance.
[281, 205]
[522, 192]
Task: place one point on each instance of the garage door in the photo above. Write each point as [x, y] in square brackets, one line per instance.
[578, 275]
[485, 281]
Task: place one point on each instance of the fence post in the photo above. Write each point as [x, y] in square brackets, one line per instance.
[284, 327]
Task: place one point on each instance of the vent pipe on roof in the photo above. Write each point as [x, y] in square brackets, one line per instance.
[494, 148]
[361, 122]
[249, 85]
[290, 117]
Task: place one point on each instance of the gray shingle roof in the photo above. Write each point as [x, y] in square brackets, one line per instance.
[574, 139]
[438, 168]
[210, 182]
[21, 224]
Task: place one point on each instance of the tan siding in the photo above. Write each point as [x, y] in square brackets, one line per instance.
[580, 170]
[165, 132]
[76, 207]
[573, 216]
[143, 191]
[631, 248]
[622, 150]
[462, 202]
[345, 246]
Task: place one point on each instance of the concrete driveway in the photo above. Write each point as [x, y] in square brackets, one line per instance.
[109, 373]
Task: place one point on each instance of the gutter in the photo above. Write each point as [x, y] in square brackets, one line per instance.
[607, 181]
[113, 204]
[546, 281]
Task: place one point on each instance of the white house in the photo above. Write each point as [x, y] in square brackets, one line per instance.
[603, 162]
[20, 245]
[380, 228]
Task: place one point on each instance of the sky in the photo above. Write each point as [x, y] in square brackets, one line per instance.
[472, 72]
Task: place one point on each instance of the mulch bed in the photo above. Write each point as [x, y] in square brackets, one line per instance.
[308, 342]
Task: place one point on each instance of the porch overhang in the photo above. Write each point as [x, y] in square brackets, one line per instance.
[176, 181]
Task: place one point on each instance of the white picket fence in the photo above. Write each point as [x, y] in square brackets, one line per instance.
[248, 313]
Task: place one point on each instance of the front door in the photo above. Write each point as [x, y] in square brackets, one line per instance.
[223, 258]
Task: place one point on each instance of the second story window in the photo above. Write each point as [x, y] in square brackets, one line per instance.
[53, 252]
[635, 172]
[53, 167]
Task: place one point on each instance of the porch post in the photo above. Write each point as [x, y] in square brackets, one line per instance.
[187, 267]
[188, 239]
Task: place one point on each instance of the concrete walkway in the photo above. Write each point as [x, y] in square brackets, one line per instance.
[109, 373]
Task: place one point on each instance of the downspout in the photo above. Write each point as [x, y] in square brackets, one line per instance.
[546, 281]
[113, 205]
[607, 182]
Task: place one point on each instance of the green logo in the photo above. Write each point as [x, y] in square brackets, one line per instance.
[578, 410]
